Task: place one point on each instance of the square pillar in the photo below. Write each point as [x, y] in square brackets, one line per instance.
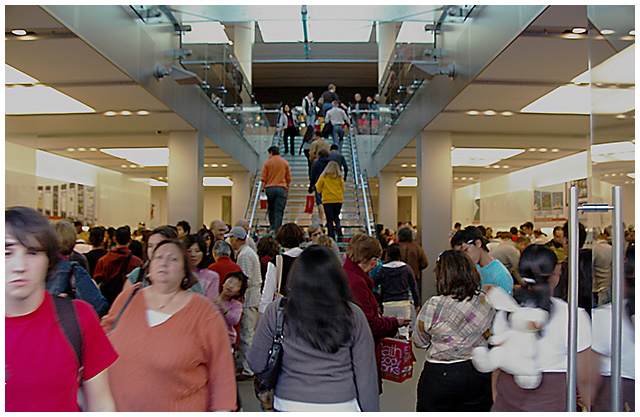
[434, 200]
[388, 199]
[240, 192]
[185, 172]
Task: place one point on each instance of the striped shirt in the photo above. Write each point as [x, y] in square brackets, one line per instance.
[249, 262]
[449, 329]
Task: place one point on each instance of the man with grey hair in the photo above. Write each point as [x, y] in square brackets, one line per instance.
[218, 228]
[338, 119]
[244, 223]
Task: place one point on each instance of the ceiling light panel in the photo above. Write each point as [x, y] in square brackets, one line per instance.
[149, 157]
[281, 30]
[205, 32]
[414, 32]
[408, 182]
[339, 30]
[40, 99]
[481, 156]
[216, 182]
[616, 151]
[14, 76]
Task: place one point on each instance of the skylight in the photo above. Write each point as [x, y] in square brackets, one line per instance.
[25, 97]
[413, 32]
[281, 30]
[615, 151]
[339, 30]
[147, 157]
[205, 32]
[481, 156]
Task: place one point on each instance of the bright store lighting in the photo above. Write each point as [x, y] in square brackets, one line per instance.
[632, 175]
[473, 112]
[489, 113]
[572, 36]
[408, 182]
[616, 151]
[150, 157]
[413, 32]
[481, 156]
[579, 30]
[205, 32]
[125, 113]
[19, 32]
[607, 31]
[40, 99]
[142, 113]
[14, 76]
[617, 69]
[110, 113]
[216, 182]
[507, 113]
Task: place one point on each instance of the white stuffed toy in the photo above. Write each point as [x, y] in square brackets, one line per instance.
[515, 351]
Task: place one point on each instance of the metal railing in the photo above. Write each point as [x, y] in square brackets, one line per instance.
[360, 182]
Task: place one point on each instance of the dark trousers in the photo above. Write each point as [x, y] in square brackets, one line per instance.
[276, 202]
[307, 153]
[290, 133]
[453, 387]
[332, 211]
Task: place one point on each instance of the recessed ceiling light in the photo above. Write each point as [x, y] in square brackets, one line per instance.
[470, 178]
[142, 113]
[27, 38]
[489, 113]
[607, 31]
[110, 113]
[542, 149]
[532, 149]
[606, 175]
[125, 113]
[555, 150]
[507, 113]
[578, 30]
[206, 165]
[455, 178]
[70, 149]
[473, 112]
[505, 166]
[404, 165]
[572, 36]
[632, 32]
[132, 166]
[223, 165]
[93, 149]
[230, 42]
[81, 149]
[214, 165]
[413, 165]
[621, 116]
[626, 182]
[613, 175]
[124, 166]
[19, 32]
[496, 166]
[463, 178]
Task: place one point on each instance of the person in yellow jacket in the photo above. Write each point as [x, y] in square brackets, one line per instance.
[331, 186]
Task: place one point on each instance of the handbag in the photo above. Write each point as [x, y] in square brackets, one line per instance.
[308, 208]
[263, 200]
[264, 383]
[327, 130]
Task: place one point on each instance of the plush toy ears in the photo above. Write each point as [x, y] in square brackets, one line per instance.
[501, 300]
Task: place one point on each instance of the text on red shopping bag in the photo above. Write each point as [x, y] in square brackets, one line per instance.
[397, 359]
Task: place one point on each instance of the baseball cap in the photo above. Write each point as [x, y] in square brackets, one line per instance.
[237, 232]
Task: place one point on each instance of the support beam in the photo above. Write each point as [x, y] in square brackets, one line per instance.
[240, 195]
[388, 199]
[185, 171]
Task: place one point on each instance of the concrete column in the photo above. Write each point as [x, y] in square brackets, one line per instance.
[240, 192]
[434, 200]
[388, 200]
[387, 32]
[185, 171]
[243, 34]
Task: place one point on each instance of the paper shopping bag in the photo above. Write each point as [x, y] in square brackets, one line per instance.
[263, 200]
[397, 359]
[308, 208]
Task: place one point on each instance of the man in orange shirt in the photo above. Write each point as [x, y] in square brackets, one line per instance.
[276, 177]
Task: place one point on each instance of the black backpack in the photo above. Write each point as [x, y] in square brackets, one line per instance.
[112, 287]
[68, 321]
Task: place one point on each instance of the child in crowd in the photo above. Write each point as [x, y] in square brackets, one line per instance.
[228, 301]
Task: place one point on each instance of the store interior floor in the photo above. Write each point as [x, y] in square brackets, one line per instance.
[396, 397]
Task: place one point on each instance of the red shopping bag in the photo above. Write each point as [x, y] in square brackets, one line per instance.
[397, 359]
[263, 200]
[308, 207]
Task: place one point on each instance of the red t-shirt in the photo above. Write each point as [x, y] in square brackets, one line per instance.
[41, 368]
[223, 266]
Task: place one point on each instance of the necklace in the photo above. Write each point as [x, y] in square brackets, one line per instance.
[161, 306]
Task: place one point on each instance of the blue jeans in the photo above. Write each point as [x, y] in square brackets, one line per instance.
[325, 108]
[338, 135]
[276, 202]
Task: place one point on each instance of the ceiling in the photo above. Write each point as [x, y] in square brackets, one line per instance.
[534, 64]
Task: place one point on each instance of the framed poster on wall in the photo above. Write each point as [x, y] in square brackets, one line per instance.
[40, 205]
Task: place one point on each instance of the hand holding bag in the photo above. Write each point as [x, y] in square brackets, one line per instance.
[396, 359]
[264, 384]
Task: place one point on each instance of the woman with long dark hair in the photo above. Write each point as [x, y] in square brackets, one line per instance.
[449, 326]
[209, 280]
[207, 235]
[329, 359]
[288, 125]
[540, 270]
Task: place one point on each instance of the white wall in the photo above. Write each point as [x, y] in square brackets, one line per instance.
[212, 204]
[119, 200]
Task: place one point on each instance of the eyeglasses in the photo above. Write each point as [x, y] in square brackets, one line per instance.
[314, 234]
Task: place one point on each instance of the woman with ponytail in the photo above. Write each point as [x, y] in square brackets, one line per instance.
[540, 270]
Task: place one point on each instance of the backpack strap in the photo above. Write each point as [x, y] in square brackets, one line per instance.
[279, 268]
[68, 321]
[123, 308]
[124, 266]
[72, 279]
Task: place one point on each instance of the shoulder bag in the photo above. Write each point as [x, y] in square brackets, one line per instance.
[264, 384]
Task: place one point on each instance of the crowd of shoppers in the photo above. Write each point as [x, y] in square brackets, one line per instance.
[182, 330]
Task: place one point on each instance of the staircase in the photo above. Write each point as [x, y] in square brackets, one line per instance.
[353, 218]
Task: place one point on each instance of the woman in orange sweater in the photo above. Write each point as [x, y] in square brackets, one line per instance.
[331, 186]
[173, 345]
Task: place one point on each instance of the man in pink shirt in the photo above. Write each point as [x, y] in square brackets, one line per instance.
[276, 177]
